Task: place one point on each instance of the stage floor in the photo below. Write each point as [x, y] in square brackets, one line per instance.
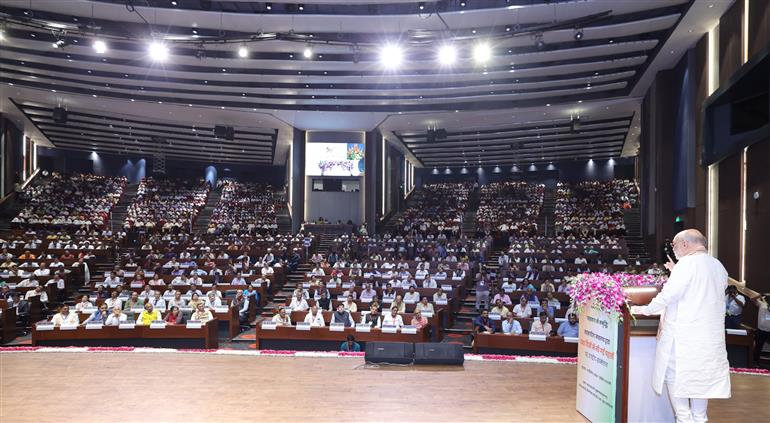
[163, 387]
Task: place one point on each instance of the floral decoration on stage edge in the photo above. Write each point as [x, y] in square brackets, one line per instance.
[605, 291]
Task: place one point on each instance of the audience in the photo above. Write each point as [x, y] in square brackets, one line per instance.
[166, 205]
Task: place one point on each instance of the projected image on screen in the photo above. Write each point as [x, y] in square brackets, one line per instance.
[334, 159]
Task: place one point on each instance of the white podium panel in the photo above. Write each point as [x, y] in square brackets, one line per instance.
[644, 405]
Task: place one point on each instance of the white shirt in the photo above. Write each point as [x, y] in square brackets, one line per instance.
[298, 305]
[113, 320]
[389, 320]
[524, 312]
[158, 303]
[70, 319]
[59, 283]
[735, 307]
[112, 303]
[411, 297]
[692, 329]
[315, 321]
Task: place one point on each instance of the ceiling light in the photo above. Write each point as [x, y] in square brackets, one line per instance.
[447, 55]
[578, 34]
[158, 51]
[243, 52]
[421, 5]
[307, 53]
[100, 46]
[59, 44]
[269, 6]
[301, 7]
[390, 56]
[482, 53]
[463, 3]
[539, 43]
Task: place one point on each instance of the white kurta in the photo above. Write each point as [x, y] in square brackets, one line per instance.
[693, 328]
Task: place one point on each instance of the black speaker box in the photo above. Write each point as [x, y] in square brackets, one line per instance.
[226, 132]
[59, 115]
[438, 353]
[389, 352]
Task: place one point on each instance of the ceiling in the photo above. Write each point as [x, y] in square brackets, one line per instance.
[344, 86]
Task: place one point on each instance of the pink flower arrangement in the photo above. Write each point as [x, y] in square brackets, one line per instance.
[605, 291]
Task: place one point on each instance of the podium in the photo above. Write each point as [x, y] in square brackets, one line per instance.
[615, 362]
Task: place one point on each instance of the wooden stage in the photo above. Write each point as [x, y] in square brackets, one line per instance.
[169, 387]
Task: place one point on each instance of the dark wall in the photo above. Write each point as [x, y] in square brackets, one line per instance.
[298, 179]
[728, 215]
[758, 216]
[759, 26]
[135, 167]
[730, 41]
[12, 154]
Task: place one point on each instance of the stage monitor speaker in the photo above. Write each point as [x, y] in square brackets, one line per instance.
[59, 115]
[226, 132]
[389, 352]
[438, 353]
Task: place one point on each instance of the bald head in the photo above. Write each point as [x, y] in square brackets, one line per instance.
[689, 241]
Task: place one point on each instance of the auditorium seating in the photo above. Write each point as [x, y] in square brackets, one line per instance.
[593, 207]
[166, 205]
[435, 209]
[69, 201]
[510, 207]
[244, 207]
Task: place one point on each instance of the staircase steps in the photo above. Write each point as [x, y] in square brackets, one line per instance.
[204, 217]
[119, 210]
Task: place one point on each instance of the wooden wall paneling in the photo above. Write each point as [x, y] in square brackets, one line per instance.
[759, 25]
[758, 216]
[728, 214]
[730, 42]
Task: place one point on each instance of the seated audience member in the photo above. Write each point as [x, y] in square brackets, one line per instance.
[84, 303]
[195, 299]
[424, 305]
[212, 301]
[238, 280]
[418, 320]
[500, 309]
[241, 303]
[298, 303]
[734, 303]
[324, 303]
[350, 345]
[65, 317]
[399, 304]
[523, 310]
[315, 317]
[281, 318]
[483, 323]
[148, 316]
[177, 301]
[440, 295]
[349, 305]
[511, 326]
[116, 317]
[113, 301]
[371, 319]
[501, 296]
[393, 319]
[569, 329]
[541, 325]
[157, 301]
[133, 302]
[202, 314]
[175, 316]
[411, 296]
[368, 294]
[342, 316]
[547, 308]
[548, 286]
[99, 316]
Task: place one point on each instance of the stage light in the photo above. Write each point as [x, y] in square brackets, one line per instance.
[540, 44]
[447, 55]
[307, 53]
[301, 7]
[421, 5]
[100, 46]
[269, 6]
[243, 52]
[158, 51]
[463, 3]
[578, 34]
[482, 53]
[59, 44]
[390, 56]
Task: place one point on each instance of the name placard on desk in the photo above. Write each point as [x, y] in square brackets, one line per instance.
[331, 285]
[127, 325]
[387, 300]
[741, 332]
[194, 324]
[157, 324]
[409, 330]
[447, 288]
[341, 298]
[188, 309]
[427, 314]
[136, 285]
[389, 329]
[44, 326]
[306, 285]
[137, 309]
[268, 325]
[68, 326]
[537, 337]
[337, 327]
[440, 302]
[303, 326]
[494, 316]
[347, 285]
[362, 327]
[88, 310]
[221, 309]
[93, 326]
[570, 340]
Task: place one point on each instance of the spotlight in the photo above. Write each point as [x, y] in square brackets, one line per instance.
[539, 43]
[301, 7]
[100, 46]
[269, 6]
[578, 34]
[390, 56]
[59, 44]
[421, 5]
[463, 3]
[482, 53]
[243, 52]
[158, 51]
[307, 53]
[447, 55]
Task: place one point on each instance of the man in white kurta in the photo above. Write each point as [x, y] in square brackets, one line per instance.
[691, 357]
